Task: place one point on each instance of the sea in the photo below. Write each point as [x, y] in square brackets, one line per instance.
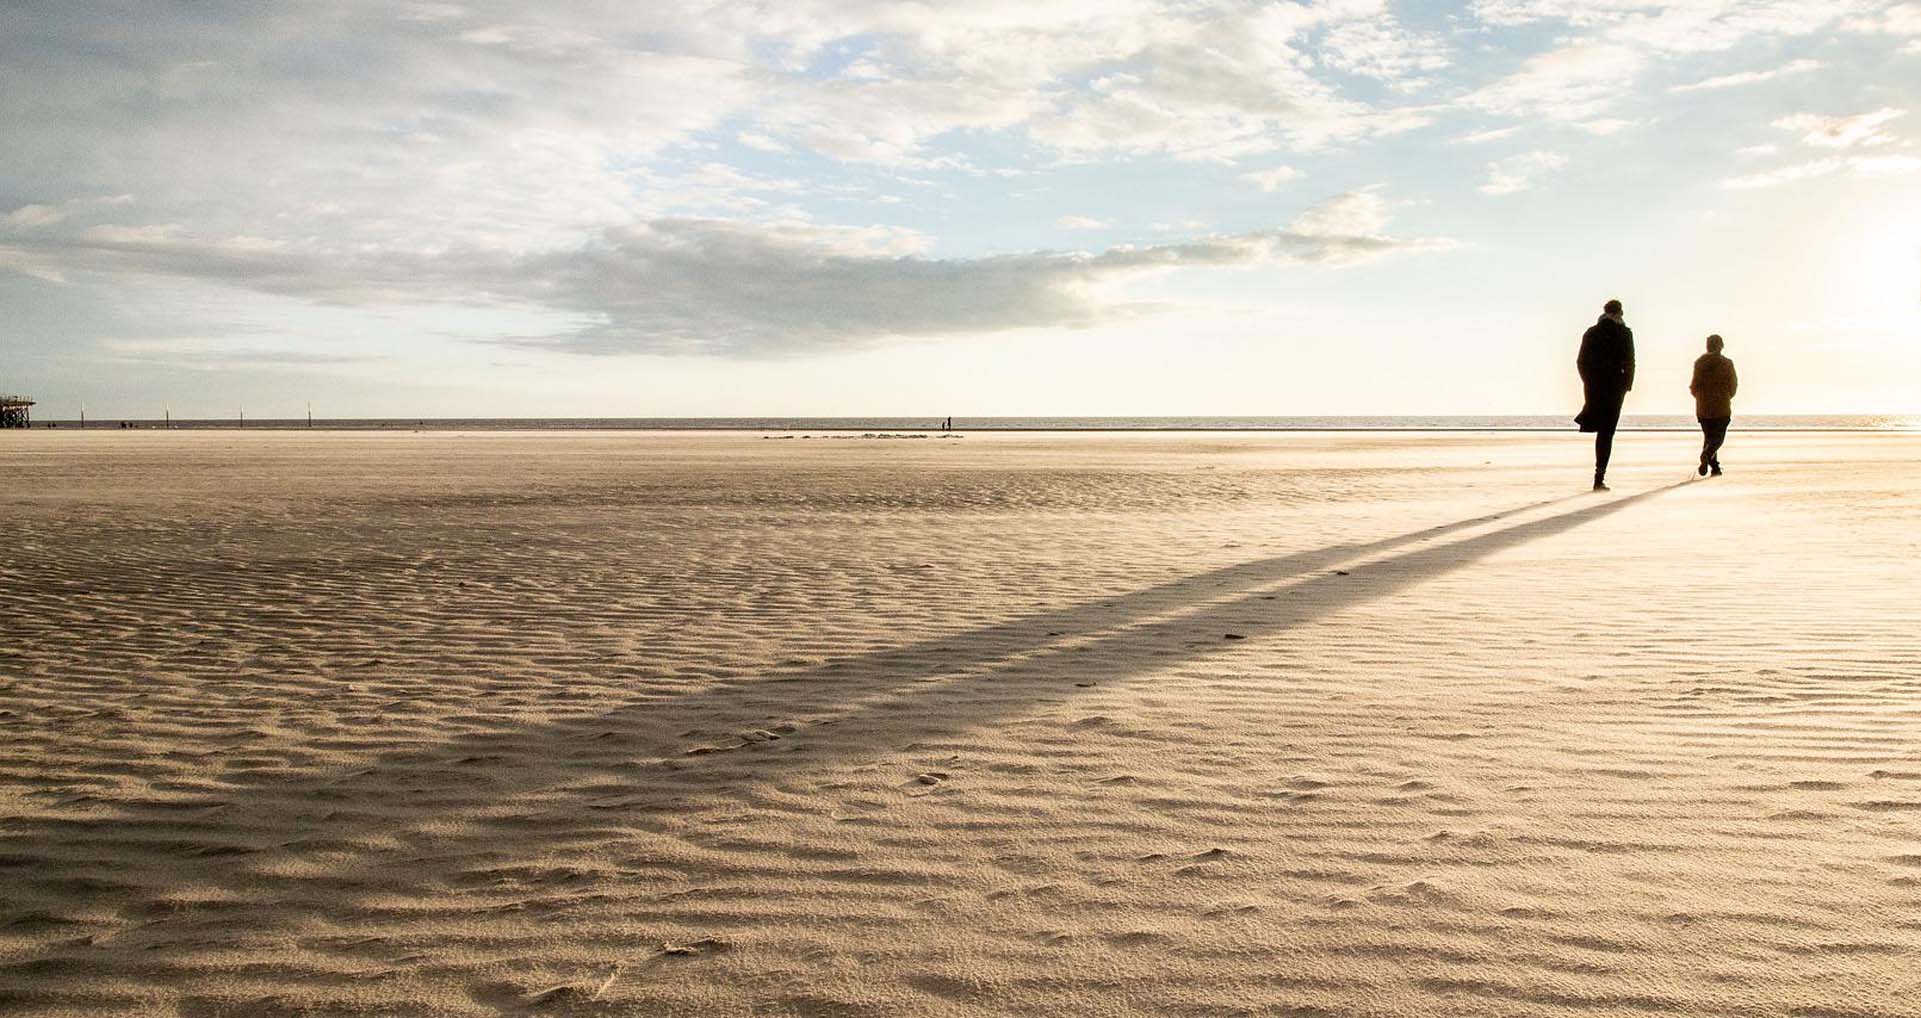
[1490, 422]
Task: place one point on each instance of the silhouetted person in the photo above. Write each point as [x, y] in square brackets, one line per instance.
[1606, 363]
[1713, 388]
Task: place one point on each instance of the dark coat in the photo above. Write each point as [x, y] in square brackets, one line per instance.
[1713, 387]
[1606, 363]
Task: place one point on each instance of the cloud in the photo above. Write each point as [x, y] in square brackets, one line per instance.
[1754, 151]
[1863, 129]
[1521, 172]
[1860, 166]
[1567, 83]
[1605, 126]
[1675, 26]
[728, 287]
[1590, 69]
[1784, 175]
[1482, 137]
[1900, 19]
[1271, 180]
[29, 216]
[1082, 223]
[1749, 77]
[1378, 47]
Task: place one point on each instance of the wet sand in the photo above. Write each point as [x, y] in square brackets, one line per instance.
[632, 724]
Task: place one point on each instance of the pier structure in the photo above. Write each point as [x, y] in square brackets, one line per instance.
[15, 411]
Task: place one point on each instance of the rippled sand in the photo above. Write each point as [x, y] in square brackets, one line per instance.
[625, 724]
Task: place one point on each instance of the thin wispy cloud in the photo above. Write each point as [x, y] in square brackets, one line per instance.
[1740, 78]
[1859, 166]
[1274, 179]
[1483, 137]
[1521, 172]
[1859, 130]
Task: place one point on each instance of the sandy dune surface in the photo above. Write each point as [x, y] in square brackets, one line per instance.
[628, 724]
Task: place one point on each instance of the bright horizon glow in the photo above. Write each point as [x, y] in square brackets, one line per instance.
[980, 208]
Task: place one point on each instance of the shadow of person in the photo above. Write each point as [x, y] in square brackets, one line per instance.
[383, 826]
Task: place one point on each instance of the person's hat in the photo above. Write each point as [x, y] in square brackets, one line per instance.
[1612, 307]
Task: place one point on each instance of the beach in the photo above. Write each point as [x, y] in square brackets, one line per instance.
[1040, 724]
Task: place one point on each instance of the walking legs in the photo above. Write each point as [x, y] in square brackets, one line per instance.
[1714, 431]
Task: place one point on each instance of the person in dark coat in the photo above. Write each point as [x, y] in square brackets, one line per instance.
[1606, 363]
[1713, 388]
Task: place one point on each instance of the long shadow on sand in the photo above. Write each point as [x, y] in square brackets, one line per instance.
[370, 830]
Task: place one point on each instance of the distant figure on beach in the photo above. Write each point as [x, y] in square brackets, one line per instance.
[1713, 388]
[947, 425]
[1606, 363]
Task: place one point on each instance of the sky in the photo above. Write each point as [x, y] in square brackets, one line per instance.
[971, 207]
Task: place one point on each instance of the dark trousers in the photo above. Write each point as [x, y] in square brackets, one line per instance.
[1714, 431]
[1604, 417]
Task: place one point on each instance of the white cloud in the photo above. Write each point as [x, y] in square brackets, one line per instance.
[1900, 19]
[1571, 82]
[718, 286]
[1675, 26]
[1862, 129]
[1750, 77]
[1271, 180]
[1082, 223]
[1754, 151]
[1784, 175]
[1482, 137]
[1378, 47]
[1605, 126]
[1361, 213]
[1521, 172]
[1590, 69]
[1860, 166]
